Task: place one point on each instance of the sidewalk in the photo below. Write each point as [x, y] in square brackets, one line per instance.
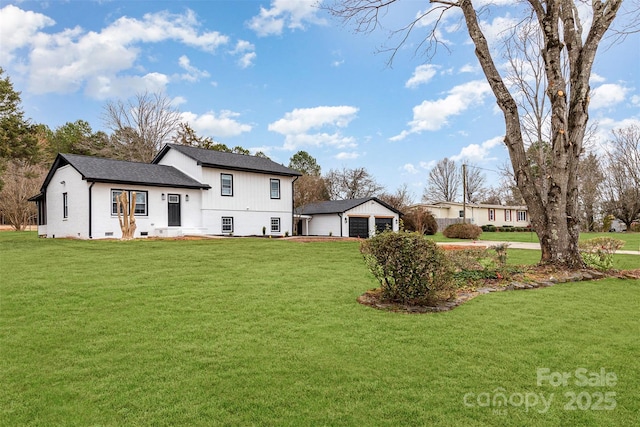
[514, 245]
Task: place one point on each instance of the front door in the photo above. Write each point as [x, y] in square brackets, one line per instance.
[174, 210]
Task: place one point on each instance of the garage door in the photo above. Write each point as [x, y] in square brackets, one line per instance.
[383, 224]
[358, 227]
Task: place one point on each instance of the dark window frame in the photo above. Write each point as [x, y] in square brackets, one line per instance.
[114, 209]
[223, 225]
[278, 222]
[222, 186]
[271, 182]
[65, 205]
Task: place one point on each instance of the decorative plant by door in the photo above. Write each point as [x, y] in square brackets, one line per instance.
[126, 214]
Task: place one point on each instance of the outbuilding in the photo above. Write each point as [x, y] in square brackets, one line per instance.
[347, 218]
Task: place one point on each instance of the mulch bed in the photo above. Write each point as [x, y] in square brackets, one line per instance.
[534, 278]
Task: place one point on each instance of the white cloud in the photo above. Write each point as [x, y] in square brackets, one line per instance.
[221, 125]
[295, 141]
[410, 169]
[297, 124]
[478, 152]
[103, 87]
[433, 115]
[302, 120]
[192, 73]
[292, 14]
[246, 60]
[603, 135]
[347, 156]
[596, 78]
[17, 28]
[498, 29]
[607, 95]
[422, 74]
[66, 61]
[246, 50]
[469, 68]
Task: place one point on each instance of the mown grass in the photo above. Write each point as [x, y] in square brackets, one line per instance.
[268, 332]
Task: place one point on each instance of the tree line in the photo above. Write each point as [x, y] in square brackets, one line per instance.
[608, 183]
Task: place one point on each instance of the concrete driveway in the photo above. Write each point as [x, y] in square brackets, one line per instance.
[514, 245]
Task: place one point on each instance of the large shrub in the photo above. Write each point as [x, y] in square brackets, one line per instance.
[409, 267]
[421, 221]
[462, 231]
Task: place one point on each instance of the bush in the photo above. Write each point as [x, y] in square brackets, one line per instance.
[421, 221]
[488, 228]
[409, 268]
[462, 231]
[598, 252]
[473, 267]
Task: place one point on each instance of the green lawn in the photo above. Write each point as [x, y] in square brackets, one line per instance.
[268, 332]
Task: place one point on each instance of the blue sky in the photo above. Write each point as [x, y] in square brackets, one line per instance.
[282, 76]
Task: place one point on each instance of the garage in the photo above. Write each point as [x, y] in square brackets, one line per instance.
[347, 218]
[358, 227]
[383, 224]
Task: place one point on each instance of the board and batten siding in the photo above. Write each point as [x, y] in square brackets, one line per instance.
[326, 225]
[67, 180]
[338, 224]
[250, 206]
[183, 163]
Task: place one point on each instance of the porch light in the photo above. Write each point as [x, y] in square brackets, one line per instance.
[186, 197]
[163, 196]
[345, 219]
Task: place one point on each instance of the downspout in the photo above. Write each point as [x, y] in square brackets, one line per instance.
[340, 216]
[293, 207]
[90, 203]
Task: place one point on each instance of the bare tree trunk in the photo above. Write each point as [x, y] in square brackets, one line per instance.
[126, 214]
[555, 218]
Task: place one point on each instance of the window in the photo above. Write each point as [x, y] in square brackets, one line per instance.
[275, 188]
[507, 215]
[461, 214]
[65, 206]
[492, 214]
[226, 184]
[141, 202]
[227, 224]
[522, 215]
[42, 211]
[275, 225]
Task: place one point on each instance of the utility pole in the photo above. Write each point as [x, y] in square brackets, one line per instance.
[464, 193]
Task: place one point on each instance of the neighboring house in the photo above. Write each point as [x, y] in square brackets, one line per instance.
[185, 190]
[478, 214]
[352, 218]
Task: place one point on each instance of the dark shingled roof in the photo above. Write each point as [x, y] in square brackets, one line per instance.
[99, 169]
[222, 160]
[339, 206]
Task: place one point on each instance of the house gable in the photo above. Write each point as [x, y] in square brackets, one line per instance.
[227, 161]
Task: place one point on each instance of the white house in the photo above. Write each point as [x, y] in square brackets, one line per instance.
[185, 190]
[352, 218]
[479, 214]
